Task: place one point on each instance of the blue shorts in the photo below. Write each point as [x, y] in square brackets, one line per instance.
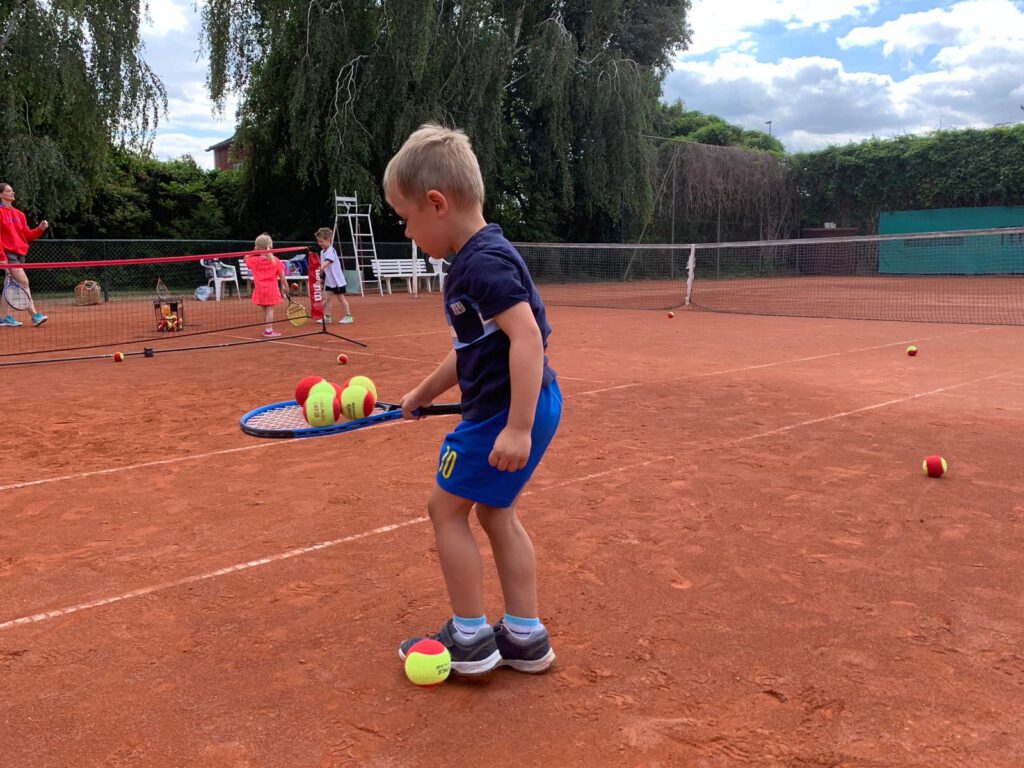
[463, 470]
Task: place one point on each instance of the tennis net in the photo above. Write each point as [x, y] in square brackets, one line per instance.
[971, 276]
[155, 301]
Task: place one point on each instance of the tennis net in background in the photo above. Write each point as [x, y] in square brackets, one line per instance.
[973, 276]
[612, 276]
[103, 302]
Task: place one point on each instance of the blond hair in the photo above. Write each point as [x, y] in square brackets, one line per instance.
[434, 157]
[264, 242]
[324, 233]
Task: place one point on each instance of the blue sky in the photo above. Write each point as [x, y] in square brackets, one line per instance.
[823, 71]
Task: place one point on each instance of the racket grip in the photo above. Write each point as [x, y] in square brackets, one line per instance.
[439, 410]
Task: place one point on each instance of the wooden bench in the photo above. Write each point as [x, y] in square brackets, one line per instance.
[246, 275]
[407, 269]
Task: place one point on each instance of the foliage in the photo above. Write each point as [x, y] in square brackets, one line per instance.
[554, 96]
[707, 193]
[146, 198]
[674, 121]
[72, 82]
[852, 184]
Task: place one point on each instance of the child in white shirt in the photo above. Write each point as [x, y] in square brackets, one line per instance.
[333, 276]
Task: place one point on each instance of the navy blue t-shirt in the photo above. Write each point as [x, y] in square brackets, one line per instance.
[487, 277]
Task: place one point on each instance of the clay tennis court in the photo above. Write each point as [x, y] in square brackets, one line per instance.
[741, 562]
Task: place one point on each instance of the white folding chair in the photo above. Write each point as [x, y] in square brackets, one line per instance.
[218, 273]
[438, 265]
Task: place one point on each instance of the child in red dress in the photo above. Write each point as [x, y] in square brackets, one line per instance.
[267, 271]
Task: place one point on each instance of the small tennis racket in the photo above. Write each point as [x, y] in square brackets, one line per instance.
[297, 314]
[16, 296]
[286, 419]
[161, 290]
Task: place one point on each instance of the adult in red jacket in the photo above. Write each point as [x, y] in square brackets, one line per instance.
[14, 238]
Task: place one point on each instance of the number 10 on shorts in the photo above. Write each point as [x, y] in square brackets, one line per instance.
[447, 462]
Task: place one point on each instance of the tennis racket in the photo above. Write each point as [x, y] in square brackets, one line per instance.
[16, 296]
[297, 314]
[286, 419]
[161, 290]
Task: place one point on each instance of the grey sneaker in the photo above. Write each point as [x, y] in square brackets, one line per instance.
[347, 319]
[532, 654]
[474, 658]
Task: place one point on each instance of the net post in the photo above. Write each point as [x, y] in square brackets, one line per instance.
[691, 264]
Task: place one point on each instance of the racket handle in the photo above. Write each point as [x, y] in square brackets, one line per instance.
[439, 410]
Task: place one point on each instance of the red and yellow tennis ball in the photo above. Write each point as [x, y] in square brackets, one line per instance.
[671, 314]
[363, 381]
[322, 408]
[934, 466]
[357, 402]
[118, 357]
[428, 663]
[302, 390]
[342, 359]
[912, 350]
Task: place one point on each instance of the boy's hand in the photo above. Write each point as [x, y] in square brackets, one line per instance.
[411, 401]
[511, 450]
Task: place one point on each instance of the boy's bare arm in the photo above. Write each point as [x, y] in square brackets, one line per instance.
[526, 370]
[443, 378]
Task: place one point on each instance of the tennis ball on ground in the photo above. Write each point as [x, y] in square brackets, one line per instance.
[342, 359]
[671, 314]
[428, 663]
[357, 402]
[118, 357]
[303, 387]
[363, 381]
[934, 466]
[322, 408]
[912, 350]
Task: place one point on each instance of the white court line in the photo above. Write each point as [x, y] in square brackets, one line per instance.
[58, 612]
[175, 460]
[764, 365]
[14, 486]
[871, 407]
[208, 575]
[347, 352]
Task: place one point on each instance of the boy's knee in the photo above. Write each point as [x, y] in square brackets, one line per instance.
[443, 509]
[495, 519]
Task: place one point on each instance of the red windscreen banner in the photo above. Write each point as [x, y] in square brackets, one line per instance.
[316, 288]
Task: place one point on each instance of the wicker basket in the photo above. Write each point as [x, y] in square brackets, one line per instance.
[88, 292]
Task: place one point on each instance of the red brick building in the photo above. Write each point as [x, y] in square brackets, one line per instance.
[222, 157]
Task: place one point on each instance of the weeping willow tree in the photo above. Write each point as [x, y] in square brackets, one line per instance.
[707, 193]
[554, 96]
[72, 84]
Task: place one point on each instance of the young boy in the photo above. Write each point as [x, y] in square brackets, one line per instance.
[334, 282]
[511, 404]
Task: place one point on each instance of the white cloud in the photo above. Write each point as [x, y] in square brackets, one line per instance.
[169, 145]
[961, 69]
[965, 24]
[166, 17]
[719, 24]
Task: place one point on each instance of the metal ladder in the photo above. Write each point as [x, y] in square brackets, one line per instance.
[360, 229]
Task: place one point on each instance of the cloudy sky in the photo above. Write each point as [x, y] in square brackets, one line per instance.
[823, 71]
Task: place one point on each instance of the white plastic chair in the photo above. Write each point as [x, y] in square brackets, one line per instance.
[438, 265]
[217, 274]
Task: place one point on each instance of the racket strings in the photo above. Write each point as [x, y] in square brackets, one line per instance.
[287, 418]
[15, 295]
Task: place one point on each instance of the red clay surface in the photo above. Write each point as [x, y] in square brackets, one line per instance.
[741, 562]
